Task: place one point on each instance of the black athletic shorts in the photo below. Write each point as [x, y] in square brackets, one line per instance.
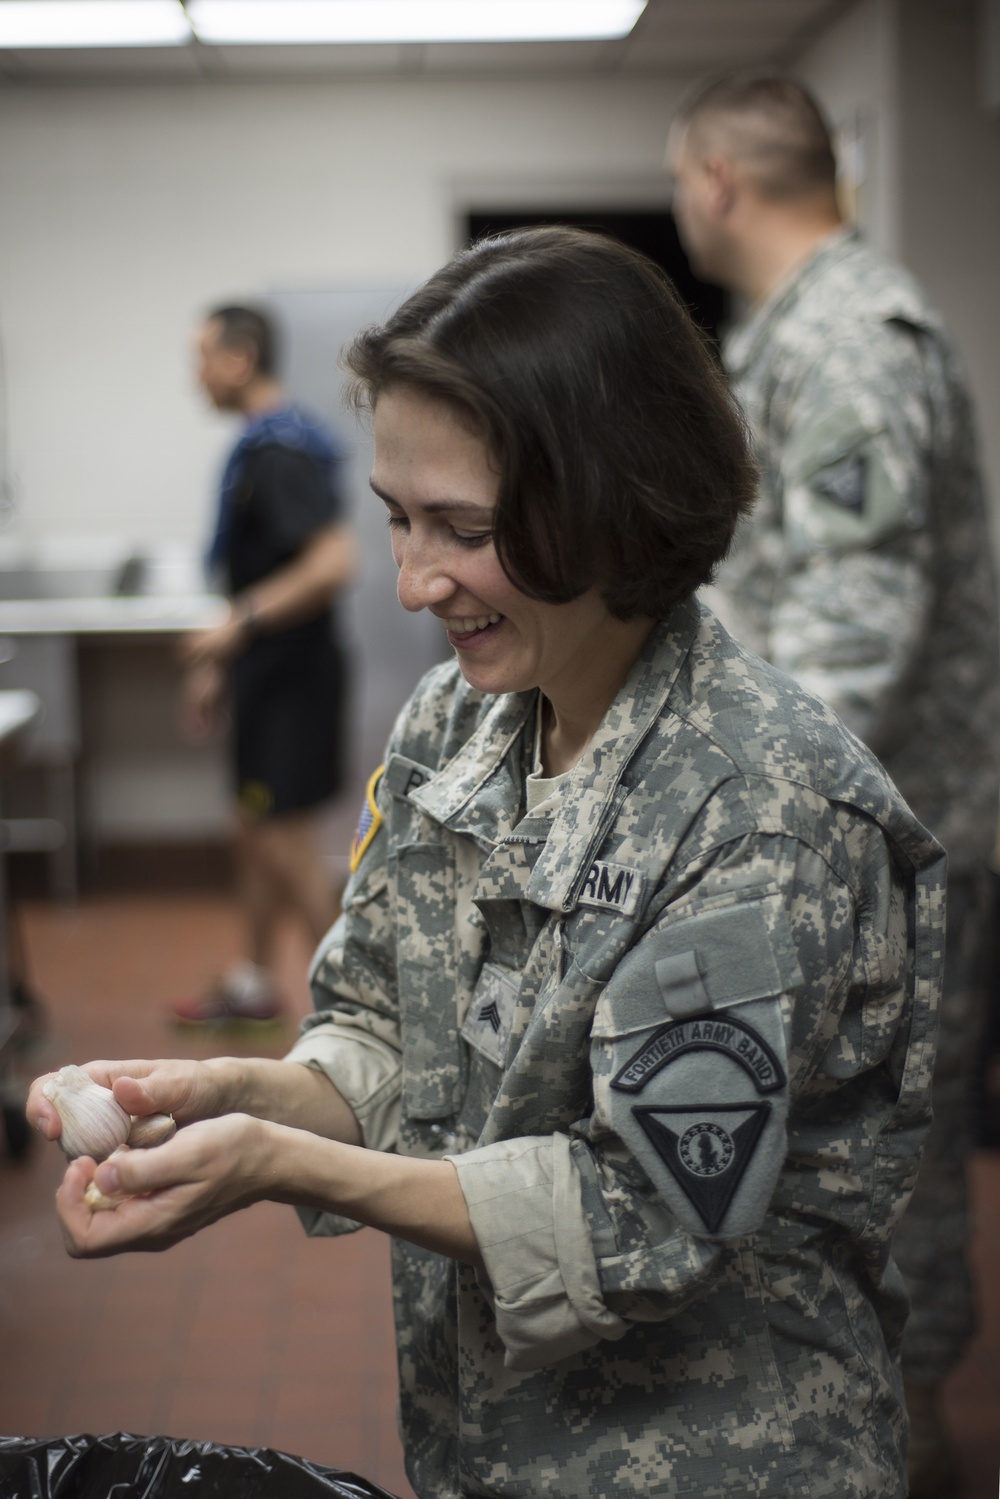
[289, 720]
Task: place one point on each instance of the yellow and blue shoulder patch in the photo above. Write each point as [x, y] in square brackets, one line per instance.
[369, 822]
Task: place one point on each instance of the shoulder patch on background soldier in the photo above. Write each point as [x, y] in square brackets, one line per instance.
[369, 822]
[843, 483]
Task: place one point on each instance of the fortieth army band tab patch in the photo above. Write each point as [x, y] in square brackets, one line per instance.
[369, 822]
[722, 1033]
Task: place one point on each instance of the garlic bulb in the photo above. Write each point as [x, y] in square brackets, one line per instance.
[93, 1122]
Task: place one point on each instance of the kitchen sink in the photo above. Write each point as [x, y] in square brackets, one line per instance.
[59, 582]
[66, 572]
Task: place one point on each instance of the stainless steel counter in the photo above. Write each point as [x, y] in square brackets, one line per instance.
[59, 598]
[140, 615]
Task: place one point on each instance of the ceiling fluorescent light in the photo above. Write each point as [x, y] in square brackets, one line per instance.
[93, 23]
[347, 21]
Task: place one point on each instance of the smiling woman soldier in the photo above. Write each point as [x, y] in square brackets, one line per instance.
[625, 1033]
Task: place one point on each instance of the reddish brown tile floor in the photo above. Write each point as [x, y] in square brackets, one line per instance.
[250, 1334]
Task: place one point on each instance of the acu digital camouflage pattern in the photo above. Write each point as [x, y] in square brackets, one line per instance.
[866, 570]
[709, 925]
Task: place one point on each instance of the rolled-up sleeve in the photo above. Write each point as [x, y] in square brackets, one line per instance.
[365, 1071]
[525, 1202]
[353, 1037]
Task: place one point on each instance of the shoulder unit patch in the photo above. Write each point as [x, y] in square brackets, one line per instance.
[706, 1150]
[843, 483]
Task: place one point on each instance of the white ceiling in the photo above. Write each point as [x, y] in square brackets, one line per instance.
[671, 36]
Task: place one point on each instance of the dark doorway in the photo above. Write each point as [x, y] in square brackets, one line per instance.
[651, 231]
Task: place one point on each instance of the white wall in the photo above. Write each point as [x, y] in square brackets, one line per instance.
[950, 186]
[124, 212]
[852, 68]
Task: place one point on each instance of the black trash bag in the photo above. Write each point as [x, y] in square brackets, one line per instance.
[129, 1467]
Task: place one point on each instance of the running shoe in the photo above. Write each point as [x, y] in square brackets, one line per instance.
[243, 994]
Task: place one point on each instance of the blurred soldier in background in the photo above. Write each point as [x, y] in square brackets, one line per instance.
[866, 573]
[282, 553]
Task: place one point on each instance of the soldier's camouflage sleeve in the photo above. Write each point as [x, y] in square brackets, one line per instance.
[353, 1036]
[851, 604]
[730, 1008]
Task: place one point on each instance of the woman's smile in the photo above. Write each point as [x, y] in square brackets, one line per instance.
[461, 631]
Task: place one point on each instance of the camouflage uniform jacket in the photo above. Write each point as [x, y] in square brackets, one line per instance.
[676, 1034]
[866, 572]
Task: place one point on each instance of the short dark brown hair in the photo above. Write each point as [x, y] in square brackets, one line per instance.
[771, 123]
[243, 327]
[624, 461]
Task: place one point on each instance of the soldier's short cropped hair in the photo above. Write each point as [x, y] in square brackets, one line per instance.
[770, 123]
[242, 327]
[624, 461]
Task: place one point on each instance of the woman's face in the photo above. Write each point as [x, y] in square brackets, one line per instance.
[439, 485]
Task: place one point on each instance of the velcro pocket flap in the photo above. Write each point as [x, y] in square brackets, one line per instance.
[403, 776]
[712, 960]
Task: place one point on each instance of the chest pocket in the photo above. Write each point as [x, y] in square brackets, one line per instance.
[491, 1013]
[427, 968]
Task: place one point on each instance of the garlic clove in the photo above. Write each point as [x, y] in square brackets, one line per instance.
[151, 1129]
[98, 1201]
[93, 1122]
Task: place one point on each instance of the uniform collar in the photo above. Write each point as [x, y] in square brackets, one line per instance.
[474, 794]
[477, 792]
[745, 338]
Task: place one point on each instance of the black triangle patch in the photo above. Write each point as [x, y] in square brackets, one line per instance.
[843, 482]
[707, 1149]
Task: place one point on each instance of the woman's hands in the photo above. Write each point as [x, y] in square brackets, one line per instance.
[251, 1129]
[171, 1190]
[285, 1092]
[206, 1171]
[187, 1090]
